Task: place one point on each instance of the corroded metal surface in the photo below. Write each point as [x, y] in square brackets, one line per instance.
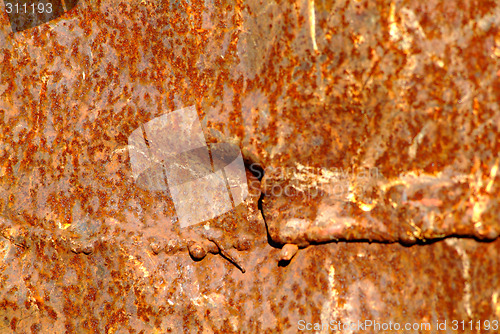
[316, 93]
[385, 89]
[321, 206]
[113, 291]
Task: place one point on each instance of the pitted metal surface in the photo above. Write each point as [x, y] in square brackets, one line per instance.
[357, 120]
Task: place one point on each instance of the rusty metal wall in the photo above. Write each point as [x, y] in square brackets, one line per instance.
[369, 121]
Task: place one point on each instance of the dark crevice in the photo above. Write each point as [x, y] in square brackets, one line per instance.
[255, 168]
[270, 241]
[258, 171]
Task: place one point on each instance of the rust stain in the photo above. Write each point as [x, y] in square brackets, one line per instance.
[319, 89]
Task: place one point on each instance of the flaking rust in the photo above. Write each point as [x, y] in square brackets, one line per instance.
[84, 200]
[62, 125]
[319, 88]
[237, 230]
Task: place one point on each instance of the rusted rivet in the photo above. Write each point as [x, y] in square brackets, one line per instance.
[484, 232]
[288, 251]
[88, 249]
[196, 250]
[406, 238]
[156, 247]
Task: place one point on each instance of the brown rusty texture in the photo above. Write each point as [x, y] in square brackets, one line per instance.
[368, 120]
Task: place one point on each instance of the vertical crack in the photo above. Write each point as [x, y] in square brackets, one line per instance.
[258, 171]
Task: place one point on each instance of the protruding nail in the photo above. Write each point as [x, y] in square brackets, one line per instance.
[233, 257]
[212, 247]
